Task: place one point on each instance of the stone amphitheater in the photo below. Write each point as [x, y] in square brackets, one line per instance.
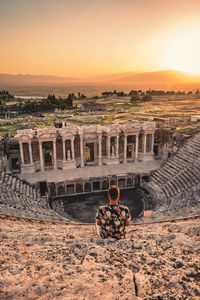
[176, 185]
[47, 256]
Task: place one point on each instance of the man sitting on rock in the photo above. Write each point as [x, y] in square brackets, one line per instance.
[112, 219]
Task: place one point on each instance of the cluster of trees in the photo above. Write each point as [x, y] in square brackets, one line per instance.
[144, 97]
[171, 92]
[139, 93]
[80, 96]
[52, 102]
[40, 105]
[136, 95]
[1, 107]
[5, 96]
[109, 94]
[49, 104]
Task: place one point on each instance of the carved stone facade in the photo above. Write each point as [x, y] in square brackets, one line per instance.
[80, 146]
[90, 185]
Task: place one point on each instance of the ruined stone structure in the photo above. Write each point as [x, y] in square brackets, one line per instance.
[87, 185]
[12, 155]
[76, 146]
[177, 182]
[20, 199]
[164, 143]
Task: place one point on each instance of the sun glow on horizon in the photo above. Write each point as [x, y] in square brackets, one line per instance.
[183, 53]
[87, 38]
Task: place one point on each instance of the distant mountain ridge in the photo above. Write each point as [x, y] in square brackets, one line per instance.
[21, 79]
[164, 76]
[111, 77]
[165, 79]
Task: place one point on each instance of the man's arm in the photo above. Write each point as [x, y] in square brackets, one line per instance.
[128, 220]
[127, 223]
[98, 218]
[98, 222]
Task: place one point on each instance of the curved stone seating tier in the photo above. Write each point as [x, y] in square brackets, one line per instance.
[181, 172]
[19, 199]
[41, 215]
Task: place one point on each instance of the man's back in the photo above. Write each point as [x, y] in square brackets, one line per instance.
[113, 220]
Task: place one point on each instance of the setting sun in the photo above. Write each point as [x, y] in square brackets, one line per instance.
[183, 52]
[85, 38]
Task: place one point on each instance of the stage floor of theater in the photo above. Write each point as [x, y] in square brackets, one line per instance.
[91, 172]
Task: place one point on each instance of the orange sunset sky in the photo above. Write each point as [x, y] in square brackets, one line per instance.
[92, 37]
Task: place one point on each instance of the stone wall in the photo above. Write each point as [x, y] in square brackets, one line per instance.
[76, 146]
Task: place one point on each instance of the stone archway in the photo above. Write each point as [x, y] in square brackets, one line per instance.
[89, 152]
[61, 190]
[47, 148]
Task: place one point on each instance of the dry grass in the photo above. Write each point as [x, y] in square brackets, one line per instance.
[118, 111]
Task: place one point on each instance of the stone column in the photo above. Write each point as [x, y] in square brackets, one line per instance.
[64, 150]
[41, 156]
[81, 149]
[72, 148]
[30, 153]
[152, 142]
[145, 143]
[117, 147]
[21, 152]
[54, 155]
[100, 149]
[136, 147]
[125, 148]
[108, 146]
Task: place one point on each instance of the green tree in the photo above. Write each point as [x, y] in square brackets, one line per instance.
[135, 97]
[146, 98]
[70, 100]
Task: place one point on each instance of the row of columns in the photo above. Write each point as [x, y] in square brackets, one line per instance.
[116, 154]
[145, 143]
[40, 153]
[22, 152]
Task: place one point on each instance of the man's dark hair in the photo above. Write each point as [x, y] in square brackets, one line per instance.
[113, 192]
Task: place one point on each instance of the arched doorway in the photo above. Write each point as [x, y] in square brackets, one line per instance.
[48, 154]
[89, 153]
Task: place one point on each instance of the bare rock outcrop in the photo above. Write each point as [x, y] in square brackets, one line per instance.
[60, 261]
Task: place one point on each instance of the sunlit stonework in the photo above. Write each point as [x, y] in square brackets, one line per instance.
[75, 146]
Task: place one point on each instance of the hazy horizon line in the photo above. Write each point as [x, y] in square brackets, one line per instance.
[102, 74]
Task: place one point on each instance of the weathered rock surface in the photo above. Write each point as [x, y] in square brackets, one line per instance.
[49, 261]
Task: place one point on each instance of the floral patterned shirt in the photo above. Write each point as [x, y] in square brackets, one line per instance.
[113, 219]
